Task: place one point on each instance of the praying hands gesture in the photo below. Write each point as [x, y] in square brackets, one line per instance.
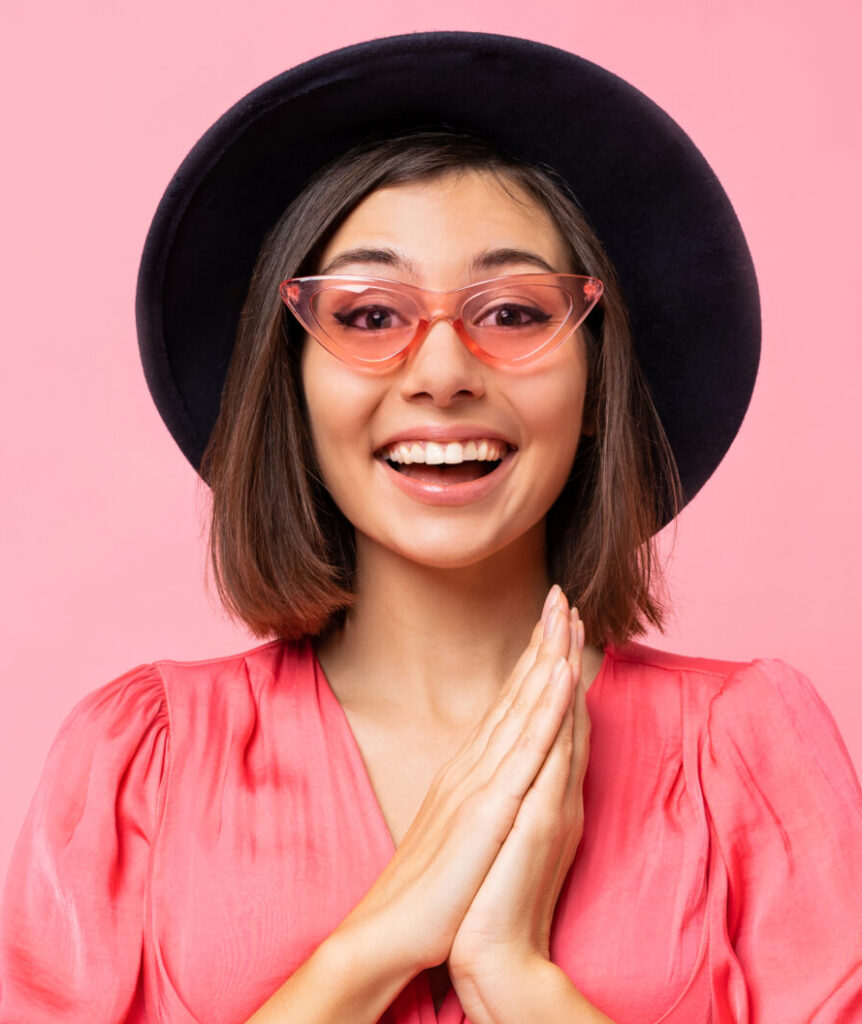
[507, 926]
[476, 878]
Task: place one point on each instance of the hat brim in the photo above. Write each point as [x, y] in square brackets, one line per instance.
[665, 220]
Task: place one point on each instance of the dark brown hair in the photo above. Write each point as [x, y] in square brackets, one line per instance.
[283, 555]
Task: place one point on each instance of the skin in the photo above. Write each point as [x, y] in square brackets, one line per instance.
[490, 725]
[440, 226]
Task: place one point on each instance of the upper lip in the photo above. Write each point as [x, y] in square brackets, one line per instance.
[453, 432]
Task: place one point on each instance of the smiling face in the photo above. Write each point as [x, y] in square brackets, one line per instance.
[442, 402]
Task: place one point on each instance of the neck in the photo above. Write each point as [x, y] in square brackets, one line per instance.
[438, 643]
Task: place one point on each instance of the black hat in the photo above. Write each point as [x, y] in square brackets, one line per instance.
[661, 213]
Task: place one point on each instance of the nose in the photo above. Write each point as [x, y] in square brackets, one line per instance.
[441, 369]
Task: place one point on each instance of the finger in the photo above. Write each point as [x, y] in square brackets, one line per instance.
[549, 789]
[554, 643]
[525, 662]
[576, 644]
[558, 784]
[544, 644]
[513, 717]
[554, 599]
[510, 776]
[581, 742]
[546, 831]
[477, 738]
[528, 657]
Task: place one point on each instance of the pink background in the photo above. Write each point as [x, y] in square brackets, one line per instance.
[102, 519]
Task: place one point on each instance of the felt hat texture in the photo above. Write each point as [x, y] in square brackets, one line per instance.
[665, 220]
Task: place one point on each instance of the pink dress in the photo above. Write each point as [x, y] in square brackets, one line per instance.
[201, 827]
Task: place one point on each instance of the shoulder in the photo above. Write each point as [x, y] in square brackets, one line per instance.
[648, 662]
[640, 674]
[247, 675]
[108, 758]
[716, 681]
[124, 737]
[756, 720]
[727, 701]
[130, 705]
[154, 697]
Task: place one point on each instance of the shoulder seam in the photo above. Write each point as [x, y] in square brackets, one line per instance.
[733, 666]
[222, 658]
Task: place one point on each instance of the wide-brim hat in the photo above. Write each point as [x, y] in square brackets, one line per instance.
[665, 220]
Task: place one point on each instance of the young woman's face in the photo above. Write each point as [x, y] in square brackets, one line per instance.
[441, 235]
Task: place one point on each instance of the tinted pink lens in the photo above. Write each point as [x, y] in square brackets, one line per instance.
[369, 322]
[513, 320]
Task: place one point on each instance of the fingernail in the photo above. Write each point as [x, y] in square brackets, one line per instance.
[550, 601]
[552, 622]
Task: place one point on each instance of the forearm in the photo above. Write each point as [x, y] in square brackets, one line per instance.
[541, 992]
[349, 979]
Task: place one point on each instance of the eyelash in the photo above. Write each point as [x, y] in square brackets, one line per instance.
[535, 315]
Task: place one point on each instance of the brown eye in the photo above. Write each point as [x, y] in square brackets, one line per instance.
[369, 318]
[512, 315]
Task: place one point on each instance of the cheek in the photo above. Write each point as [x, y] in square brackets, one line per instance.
[553, 409]
[340, 403]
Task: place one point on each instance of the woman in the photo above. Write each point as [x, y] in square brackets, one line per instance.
[443, 791]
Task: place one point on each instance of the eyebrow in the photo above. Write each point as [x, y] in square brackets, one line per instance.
[490, 259]
[493, 258]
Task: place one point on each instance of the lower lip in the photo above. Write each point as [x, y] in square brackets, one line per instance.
[450, 494]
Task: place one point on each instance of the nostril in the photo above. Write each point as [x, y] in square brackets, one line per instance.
[441, 369]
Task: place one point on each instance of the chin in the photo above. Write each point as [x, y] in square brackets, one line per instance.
[461, 548]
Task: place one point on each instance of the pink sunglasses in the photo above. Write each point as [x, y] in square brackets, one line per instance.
[375, 323]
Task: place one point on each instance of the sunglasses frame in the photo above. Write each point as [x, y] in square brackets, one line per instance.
[298, 294]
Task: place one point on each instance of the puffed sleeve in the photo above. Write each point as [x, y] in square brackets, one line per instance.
[71, 926]
[785, 816]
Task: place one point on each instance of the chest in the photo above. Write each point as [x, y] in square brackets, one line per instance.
[271, 836]
[401, 765]
[401, 768]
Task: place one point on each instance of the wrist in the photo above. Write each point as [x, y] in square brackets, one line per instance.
[529, 988]
[374, 948]
[350, 978]
[500, 986]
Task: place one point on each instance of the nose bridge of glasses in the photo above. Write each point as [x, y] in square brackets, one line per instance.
[432, 307]
[429, 323]
[436, 306]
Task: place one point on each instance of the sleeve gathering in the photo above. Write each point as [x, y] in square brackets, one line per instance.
[71, 928]
[785, 817]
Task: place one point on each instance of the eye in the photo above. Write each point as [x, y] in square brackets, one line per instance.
[511, 314]
[370, 318]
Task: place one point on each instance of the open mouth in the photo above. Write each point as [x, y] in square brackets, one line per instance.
[447, 463]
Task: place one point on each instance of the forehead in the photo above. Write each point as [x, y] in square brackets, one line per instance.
[437, 227]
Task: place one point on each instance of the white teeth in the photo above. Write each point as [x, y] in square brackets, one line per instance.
[454, 453]
[435, 454]
[450, 453]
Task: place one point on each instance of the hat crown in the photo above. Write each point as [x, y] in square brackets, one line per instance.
[658, 208]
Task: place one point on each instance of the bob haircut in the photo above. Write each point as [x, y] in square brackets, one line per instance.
[283, 555]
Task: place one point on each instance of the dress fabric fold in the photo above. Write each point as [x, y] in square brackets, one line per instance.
[200, 827]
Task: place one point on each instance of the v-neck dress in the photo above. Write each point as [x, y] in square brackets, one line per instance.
[200, 828]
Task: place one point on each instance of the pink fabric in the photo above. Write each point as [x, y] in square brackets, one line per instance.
[200, 827]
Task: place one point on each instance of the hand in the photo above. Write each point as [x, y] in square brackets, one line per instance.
[507, 927]
[419, 901]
